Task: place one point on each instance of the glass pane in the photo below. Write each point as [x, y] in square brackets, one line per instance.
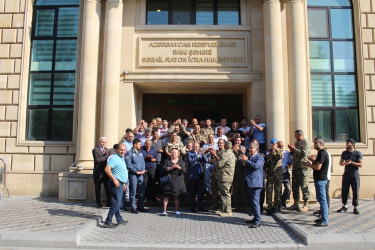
[44, 22]
[157, 12]
[228, 12]
[347, 124]
[41, 57]
[328, 3]
[318, 23]
[56, 2]
[343, 56]
[40, 89]
[320, 56]
[181, 12]
[321, 90]
[322, 124]
[67, 25]
[341, 22]
[66, 51]
[345, 91]
[204, 12]
[62, 124]
[63, 89]
[38, 123]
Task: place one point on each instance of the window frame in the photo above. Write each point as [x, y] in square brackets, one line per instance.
[53, 72]
[332, 73]
[193, 11]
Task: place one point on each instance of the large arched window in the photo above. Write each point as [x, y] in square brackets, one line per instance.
[52, 70]
[333, 70]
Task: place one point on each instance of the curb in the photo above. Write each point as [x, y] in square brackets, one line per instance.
[325, 241]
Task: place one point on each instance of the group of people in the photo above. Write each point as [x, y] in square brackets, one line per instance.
[160, 159]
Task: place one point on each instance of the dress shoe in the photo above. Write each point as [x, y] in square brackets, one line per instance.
[123, 222]
[125, 209]
[355, 211]
[252, 221]
[133, 211]
[343, 209]
[99, 206]
[317, 212]
[255, 225]
[193, 210]
[318, 220]
[269, 212]
[294, 207]
[142, 209]
[321, 224]
[109, 225]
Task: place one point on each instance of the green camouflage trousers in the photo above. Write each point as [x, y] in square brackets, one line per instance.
[225, 196]
[300, 180]
[274, 183]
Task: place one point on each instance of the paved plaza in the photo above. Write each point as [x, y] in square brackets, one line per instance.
[35, 222]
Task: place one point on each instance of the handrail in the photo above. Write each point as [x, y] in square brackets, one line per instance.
[5, 180]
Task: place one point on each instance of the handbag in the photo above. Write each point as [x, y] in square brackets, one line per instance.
[165, 179]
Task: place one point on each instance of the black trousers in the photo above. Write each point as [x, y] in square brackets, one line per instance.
[150, 182]
[350, 179]
[98, 188]
[287, 190]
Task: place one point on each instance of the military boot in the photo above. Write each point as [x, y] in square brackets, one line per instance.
[305, 207]
[295, 206]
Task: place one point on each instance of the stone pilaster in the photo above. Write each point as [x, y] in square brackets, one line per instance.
[274, 70]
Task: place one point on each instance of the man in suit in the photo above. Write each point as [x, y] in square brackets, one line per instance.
[254, 181]
[100, 154]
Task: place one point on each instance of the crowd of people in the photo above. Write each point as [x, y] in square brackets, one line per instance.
[162, 159]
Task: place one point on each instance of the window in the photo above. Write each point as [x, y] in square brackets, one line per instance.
[334, 92]
[52, 70]
[201, 12]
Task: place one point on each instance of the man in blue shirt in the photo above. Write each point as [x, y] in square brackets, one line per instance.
[286, 163]
[118, 175]
[137, 168]
[257, 131]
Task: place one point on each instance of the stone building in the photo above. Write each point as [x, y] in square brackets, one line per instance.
[74, 70]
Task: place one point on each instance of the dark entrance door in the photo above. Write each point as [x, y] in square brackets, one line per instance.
[173, 106]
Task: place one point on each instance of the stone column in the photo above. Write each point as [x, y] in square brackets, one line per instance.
[88, 83]
[274, 70]
[297, 60]
[111, 71]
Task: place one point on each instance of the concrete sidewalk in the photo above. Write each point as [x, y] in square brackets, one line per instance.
[37, 222]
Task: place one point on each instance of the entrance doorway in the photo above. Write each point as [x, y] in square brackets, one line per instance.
[173, 106]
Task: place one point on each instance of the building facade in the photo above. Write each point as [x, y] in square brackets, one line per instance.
[72, 71]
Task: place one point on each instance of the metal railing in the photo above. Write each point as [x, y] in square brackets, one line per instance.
[3, 178]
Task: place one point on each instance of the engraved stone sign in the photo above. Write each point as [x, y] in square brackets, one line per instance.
[192, 52]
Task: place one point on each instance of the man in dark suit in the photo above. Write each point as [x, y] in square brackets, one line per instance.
[100, 154]
[254, 181]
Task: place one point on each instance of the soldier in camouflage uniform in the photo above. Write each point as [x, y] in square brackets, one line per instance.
[208, 129]
[196, 136]
[299, 151]
[225, 165]
[274, 170]
[215, 172]
[175, 143]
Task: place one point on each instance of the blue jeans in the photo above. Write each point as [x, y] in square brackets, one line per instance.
[207, 176]
[254, 197]
[320, 189]
[136, 182]
[116, 198]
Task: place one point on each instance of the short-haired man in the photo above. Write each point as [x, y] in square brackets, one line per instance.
[208, 167]
[220, 135]
[118, 174]
[352, 160]
[129, 140]
[136, 166]
[246, 131]
[225, 165]
[147, 136]
[235, 132]
[300, 174]
[239, 187]
[257, 130]
[101, 154]
[207, 130]
[196, 135]
[254, 181]
[223, 126]
[286, 163]
[150, 155]
[320, 166]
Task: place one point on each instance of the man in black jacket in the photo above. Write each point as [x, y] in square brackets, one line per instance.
[100, 154]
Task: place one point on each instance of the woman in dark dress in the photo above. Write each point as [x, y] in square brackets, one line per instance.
[175, 167]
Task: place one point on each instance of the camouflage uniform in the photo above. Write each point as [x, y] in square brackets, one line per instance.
[239, 186]
[225, 172]
[179, 145]
[197, 138]
[214, 182]
[274, 176]
[300, 173]
[206, 131]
